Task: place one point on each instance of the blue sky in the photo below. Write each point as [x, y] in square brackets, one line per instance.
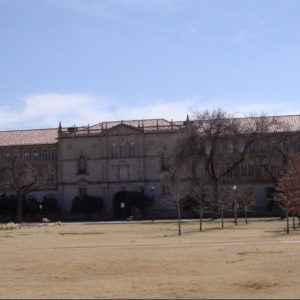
[84, 61]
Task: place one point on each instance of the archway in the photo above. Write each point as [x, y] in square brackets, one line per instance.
[128, 204]
[122, 206]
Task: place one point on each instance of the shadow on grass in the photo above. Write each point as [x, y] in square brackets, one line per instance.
[282, 232]
[80, 233]
[259, 252]
[258, 285]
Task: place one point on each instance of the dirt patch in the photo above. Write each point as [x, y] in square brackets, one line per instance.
[150, 261]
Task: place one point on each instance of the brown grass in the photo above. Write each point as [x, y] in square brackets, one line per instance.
[150, 261]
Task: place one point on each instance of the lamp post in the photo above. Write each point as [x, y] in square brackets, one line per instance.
[152, 198]
[40, 206]
[122, 207]
[235, 204]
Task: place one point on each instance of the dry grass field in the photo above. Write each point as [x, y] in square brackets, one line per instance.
[150, 261]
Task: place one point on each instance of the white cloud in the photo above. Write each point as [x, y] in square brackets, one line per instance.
[46, 110]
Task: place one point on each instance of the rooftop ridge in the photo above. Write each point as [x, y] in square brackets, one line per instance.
[129, 120]
[31, 129]
[268, 116]
[136, 120]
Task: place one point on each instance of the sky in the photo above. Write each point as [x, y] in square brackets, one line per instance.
[86, 61]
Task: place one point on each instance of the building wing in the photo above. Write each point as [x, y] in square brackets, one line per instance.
[28, 137]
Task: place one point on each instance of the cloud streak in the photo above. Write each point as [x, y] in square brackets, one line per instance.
[46, 110]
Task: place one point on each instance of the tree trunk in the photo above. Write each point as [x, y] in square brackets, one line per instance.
[222, 217]
[200, 218]
[294, 222]
[235, 212]
[19, 208]
[246, 214]
[178, 216]
[287, 222]
[216, 200]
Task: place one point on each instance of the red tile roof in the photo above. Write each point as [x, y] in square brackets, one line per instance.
[50, 135]
[28, 137]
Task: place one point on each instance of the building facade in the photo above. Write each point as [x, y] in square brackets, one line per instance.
[108, 158]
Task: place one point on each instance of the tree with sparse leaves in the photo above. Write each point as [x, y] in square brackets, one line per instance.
[215, 144]
[289, 190]
[172, 177]
[18, 177]
[246, 198]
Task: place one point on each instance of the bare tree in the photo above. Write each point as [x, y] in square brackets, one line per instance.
[19, 177]
[227, 202]
[217, 144]
[275, 150]
[289, 190]
[246, 199]
[171, 177]
[197, 200]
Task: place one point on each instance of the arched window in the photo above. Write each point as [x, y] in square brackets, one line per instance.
[164, 164]
[114, 150]
[121, 150]
[127, 149]
[53, 155]
[82, 165]
[131, 149]
[52, 176]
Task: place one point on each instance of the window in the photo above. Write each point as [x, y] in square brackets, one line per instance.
[207, 148]
[230, 147]
[53, 155]
[251, 170]
[131, 149]
[52, 176]
[122, 153]
[44, 155]
[114, 151]
[26, 155]
[126, 150]
[36, 155]
[258, 171]
[163, 163]
[124, 172]
[244, 170]
[275, 171]
[82, 165]
[240, 146]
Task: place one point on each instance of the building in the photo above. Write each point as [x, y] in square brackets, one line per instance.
[108, 158]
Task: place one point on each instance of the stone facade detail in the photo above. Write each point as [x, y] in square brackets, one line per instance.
[105, 159]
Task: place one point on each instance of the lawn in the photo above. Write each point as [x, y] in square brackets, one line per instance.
[150, 261]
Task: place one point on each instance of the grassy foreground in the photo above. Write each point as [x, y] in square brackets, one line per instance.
[150, 261]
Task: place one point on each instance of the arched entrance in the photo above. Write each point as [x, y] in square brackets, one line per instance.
[127, 204]
[122, 206]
